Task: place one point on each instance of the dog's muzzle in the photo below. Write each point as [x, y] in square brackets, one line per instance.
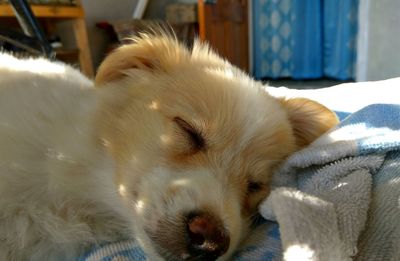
[207, 239]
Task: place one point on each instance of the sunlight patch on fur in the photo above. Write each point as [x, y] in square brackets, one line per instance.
[154, 105]
[122, 190]
[106, 143]
[139, 205]
[165, 139]
[181, 182]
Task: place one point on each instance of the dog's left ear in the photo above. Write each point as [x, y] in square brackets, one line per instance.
[308, 118]
[148, 53]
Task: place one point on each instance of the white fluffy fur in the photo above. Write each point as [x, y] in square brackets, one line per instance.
[46, 133]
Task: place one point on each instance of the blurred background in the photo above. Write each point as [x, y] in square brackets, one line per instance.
[295, 43]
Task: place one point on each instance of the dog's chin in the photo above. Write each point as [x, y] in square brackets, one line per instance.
[170, 239]
[169, 255]
[166, 254]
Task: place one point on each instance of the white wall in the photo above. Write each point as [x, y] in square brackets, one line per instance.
[109, 10]
[103, 10]
[96, 11]
[379, 42]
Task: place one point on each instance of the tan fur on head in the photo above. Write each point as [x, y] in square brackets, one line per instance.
[159, 52]
[172, 142]
[146, 53]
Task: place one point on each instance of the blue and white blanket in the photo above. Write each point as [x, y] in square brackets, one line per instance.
[338, 199]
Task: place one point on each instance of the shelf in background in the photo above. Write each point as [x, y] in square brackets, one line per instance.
[54, 13]
[48, 11]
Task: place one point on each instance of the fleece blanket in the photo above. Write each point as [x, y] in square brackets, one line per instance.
[338, 199]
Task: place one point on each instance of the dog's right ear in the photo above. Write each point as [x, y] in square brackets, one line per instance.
[148, 53]
[309, 119]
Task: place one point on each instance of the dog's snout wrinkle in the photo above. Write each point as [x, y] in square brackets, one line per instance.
[207, 237]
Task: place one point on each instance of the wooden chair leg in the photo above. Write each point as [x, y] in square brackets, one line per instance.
[85, 58]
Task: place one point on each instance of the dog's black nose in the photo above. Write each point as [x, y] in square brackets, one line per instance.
[207, 237]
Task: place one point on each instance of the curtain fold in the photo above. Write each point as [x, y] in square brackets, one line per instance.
[304, 39]
[340, 32]
[307, 39]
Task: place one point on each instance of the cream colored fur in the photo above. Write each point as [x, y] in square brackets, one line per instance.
[81, 165]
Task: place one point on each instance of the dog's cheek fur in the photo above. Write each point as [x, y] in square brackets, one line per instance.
[134, 133]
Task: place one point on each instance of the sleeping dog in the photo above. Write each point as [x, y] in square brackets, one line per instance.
[170, 146]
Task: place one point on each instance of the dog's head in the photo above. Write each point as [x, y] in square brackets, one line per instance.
[195, 142]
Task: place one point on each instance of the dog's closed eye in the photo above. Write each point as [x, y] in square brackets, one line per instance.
[254, 186]
[193, 136]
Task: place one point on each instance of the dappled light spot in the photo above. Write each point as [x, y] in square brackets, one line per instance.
[122, 190]
[154, 105]
[299, 252]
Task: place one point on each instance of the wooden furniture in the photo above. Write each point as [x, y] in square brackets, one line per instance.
[54, 13]
[224, 24]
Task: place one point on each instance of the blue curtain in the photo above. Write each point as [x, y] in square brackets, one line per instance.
[304, 39]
